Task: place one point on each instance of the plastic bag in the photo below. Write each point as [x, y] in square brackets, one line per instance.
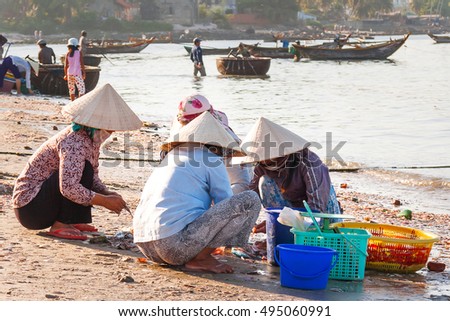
[291, 217]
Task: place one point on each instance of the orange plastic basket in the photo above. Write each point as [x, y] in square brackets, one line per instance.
[394, 248]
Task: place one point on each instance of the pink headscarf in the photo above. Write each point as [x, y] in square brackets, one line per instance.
[193, 105]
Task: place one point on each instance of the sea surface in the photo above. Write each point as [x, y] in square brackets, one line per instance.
[390, 118]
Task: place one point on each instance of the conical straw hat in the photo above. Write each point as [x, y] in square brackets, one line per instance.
[267, 140]
[102, 108]
[204, 129]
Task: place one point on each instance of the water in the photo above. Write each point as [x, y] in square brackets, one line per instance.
[388, 115]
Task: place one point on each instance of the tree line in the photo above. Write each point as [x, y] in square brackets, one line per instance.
[57, 16]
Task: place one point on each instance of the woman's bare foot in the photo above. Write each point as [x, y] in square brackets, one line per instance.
[204, 262]
[58, 226]
[66, 231]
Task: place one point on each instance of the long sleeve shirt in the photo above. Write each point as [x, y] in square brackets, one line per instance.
[309, 181]
[197, 54]
[66, 152]
[188, 181]
[23, 66]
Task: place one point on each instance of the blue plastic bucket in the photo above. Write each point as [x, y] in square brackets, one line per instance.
[305, 267]
[276, 232]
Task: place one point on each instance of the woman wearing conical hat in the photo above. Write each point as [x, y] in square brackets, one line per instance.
[187, 208]
[60, 182]
[287, 172]
[193, 106]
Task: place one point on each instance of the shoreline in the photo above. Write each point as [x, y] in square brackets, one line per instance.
[55, 269]
[267, 34]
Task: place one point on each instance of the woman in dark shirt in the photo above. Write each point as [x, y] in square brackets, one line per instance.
[286, 171]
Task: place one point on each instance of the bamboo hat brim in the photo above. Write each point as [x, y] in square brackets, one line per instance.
[102, 108]
[204, 129]
[267, 140]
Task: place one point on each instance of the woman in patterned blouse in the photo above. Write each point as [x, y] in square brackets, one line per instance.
[60, 182]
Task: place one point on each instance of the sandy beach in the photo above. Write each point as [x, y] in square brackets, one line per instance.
[34, 266]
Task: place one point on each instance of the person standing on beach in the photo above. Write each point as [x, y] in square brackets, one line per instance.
[187, 208]
[286, 171]
[197, 58]
[74, 70]
[46, 54]
[83, 42]
[17, 65]
[60, 183]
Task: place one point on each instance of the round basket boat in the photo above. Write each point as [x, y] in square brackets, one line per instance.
[51, 79]
[238, 66]
[395, 249]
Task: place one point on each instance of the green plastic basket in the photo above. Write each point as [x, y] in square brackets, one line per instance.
[351, 244]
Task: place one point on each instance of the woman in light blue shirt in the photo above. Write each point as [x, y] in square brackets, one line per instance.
[187, 208]
[17, 65]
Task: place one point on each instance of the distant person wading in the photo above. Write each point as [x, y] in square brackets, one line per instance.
[197, 58]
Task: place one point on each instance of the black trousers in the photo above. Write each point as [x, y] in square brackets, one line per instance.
[50, 205]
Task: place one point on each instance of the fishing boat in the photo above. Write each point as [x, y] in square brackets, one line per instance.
[271, 52]
[100, 47]
[439, 39]
[210, 50]
[50, 80]
[351, 51]
[237, 66]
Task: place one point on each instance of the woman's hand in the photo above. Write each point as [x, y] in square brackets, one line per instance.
[113, 202]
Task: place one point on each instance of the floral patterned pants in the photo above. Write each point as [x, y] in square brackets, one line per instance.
[77, 81]
[227, 223]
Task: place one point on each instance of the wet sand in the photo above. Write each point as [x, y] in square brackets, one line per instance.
[34, 266]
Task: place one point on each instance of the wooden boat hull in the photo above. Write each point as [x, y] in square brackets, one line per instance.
[92, 60]
[109, 48]
[211, 50]
[376, 51]
[243, 66]
[51, 80]
[270, 52]
[439, 39]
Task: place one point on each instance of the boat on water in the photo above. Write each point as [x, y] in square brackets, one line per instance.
[50, 80]
[99, 47]
[351, 50]
[237, 66]
[439, 39]
[92, 60]
[211, 50]
[271, 52]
